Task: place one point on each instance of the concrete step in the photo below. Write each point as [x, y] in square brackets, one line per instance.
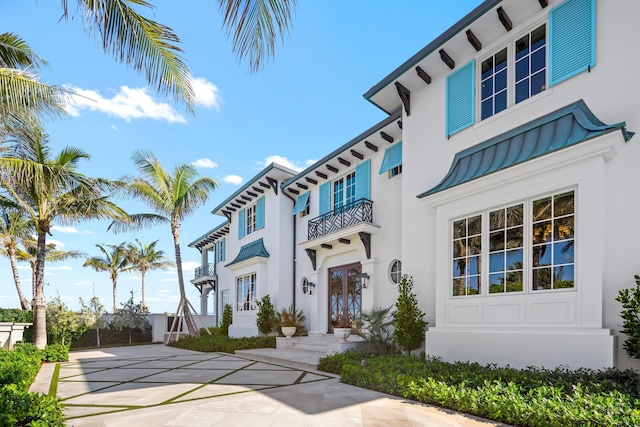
[290, 357]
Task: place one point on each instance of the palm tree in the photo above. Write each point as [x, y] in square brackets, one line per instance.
[14, 227]
[172, 195]
[50, 189]
[114, 261]
[145, 258]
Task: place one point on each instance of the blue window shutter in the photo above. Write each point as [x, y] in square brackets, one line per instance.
[260, 213]
[241, 219]
[392, 157]
[325, 197]
[301, 203]
[363, 180]
[572, 39]
[222, 249]
[461, 98]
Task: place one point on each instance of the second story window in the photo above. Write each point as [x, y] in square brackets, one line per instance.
[344, 191]
[493, 81]
[531, 64]
[250, 222]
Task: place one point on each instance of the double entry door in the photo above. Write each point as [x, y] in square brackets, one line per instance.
[345, 295]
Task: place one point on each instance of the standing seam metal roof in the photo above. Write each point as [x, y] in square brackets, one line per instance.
[250, 250]
[560, 129]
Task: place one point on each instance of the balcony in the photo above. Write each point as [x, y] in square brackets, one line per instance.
[343, 226]
[358, 212]
[205, 274]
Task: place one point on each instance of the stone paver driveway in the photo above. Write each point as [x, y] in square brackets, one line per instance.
[155, 385]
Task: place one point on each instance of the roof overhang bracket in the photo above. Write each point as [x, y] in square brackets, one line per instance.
[311, 253]
[366, 241]
[274, 184]
[475, 41]
[405, 97]
[504, 18]
[227, 214]
[423, 75]
[447, 59]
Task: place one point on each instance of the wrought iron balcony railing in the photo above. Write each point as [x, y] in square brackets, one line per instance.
[205, 270]
[346, 216]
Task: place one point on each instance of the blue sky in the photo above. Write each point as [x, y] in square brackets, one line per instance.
[302, 105]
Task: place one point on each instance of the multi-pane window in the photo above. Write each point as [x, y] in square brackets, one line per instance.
[506, 249]
[250, 223]
[530, 248]
[528, 57]
[395, 171]
[246, 293]
[467, 256]
[493, 82]
[553, 242]
[224, 298]
[395, 272]
[531, 64]
[344, 191]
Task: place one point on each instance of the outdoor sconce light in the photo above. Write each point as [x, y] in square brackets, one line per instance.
[364, 278]
[312, 286]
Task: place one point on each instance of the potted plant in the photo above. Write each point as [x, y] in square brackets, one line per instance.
[342, 328]
[290, 320]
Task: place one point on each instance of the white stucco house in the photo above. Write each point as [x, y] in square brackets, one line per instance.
[501, 180]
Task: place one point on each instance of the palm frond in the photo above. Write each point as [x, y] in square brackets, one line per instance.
[16, 53]
[21, 91]
[254, 26]
[136, 222]
[139, 42]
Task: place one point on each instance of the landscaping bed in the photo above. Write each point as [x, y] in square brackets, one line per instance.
[528, 397]
[218, 341]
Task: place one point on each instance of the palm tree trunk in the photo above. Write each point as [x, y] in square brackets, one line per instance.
[24, 304]
[144, 301]
[191, 327]
[39, 303]
[114, 280]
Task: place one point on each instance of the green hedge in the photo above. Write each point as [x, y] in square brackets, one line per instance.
[18, 369]
[220, 342]
[529, 397]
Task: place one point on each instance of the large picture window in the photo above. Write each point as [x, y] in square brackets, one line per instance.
[530, 247]
[246, 293]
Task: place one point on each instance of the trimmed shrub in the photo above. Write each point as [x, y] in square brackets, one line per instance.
[18, 407]
[630, 300]
[528, 397]
[265, 318]
[221, 342]
[227, 319]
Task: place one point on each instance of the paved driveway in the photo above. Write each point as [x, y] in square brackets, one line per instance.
[155, 385]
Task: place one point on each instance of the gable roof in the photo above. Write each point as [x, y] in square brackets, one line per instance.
[250, 250]
[560, 129]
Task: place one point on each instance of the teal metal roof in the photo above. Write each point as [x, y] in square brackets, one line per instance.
[251, 250]
[563, 128]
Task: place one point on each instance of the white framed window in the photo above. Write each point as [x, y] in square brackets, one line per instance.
[395, 271]
[306, 288]
[397, 170]
[246, 293]
[344, 191]
[530, 246]
[513, 73]
[224, 298]
[250, 221]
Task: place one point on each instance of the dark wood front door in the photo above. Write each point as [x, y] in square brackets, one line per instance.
[345, 295]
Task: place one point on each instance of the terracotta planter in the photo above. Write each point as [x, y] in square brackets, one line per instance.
[342, 333]
[288, 331]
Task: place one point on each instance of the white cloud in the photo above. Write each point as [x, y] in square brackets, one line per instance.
[83, 283]
[137, 278]
[204, 163]
[58, 243]
[190, 266]
[60, 267]
[281, 160]
[114, 128]
[233, 179]
[126, 104]
[207, 94]
[64, 229]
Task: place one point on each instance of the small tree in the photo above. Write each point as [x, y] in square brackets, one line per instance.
[265, 316]
[410, 324]
[92, 316]
[630, 300]
[131, 316]
[63, 324]
[376, 326]
[227, 319]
